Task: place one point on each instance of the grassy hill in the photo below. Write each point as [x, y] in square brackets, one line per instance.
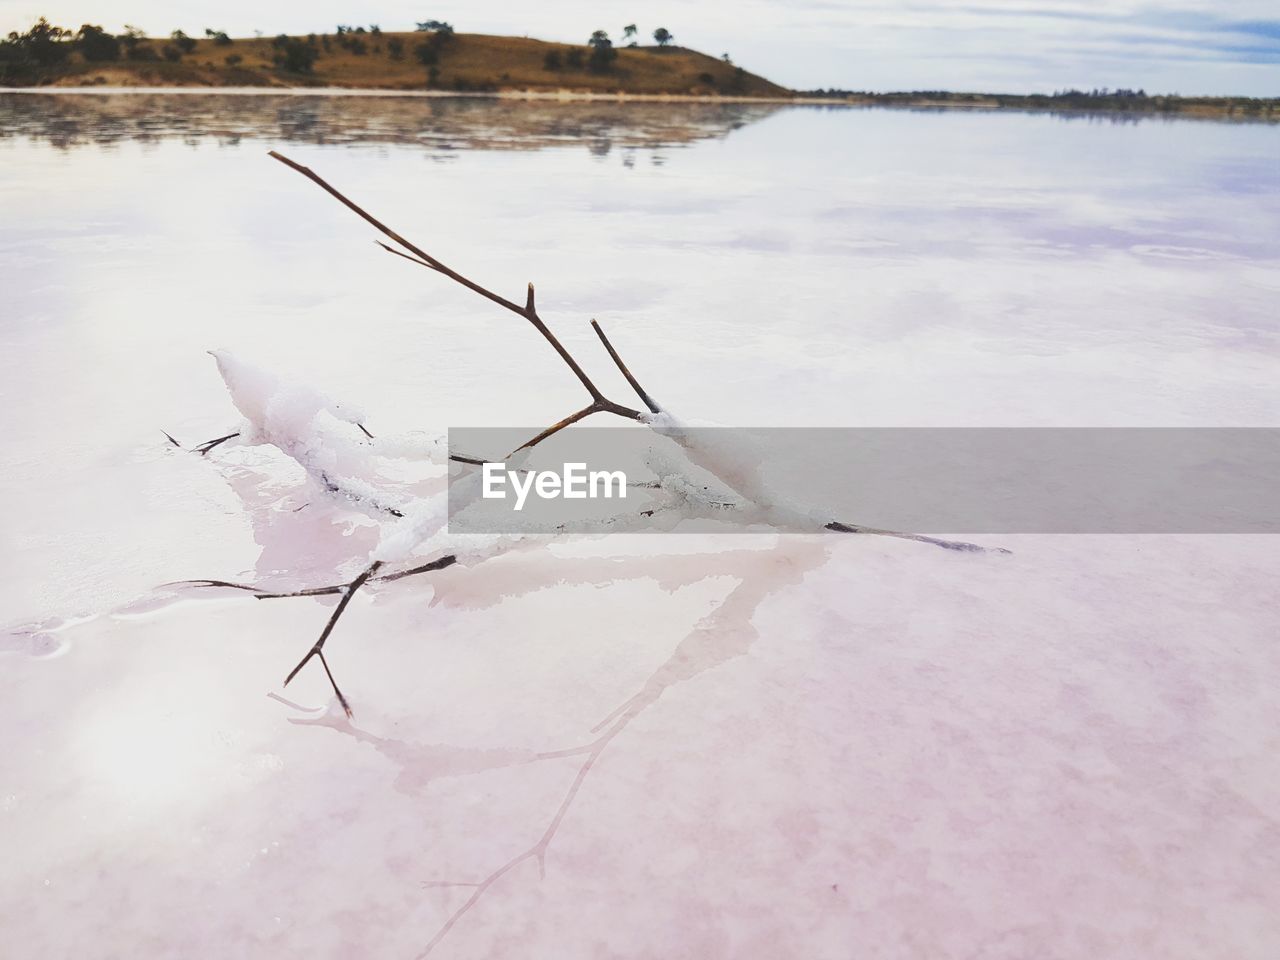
[438, 59]
[391, 61]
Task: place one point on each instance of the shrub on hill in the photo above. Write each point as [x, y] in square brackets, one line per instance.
[95, 44]
[292, 55]
[29, 57]
[602, 52]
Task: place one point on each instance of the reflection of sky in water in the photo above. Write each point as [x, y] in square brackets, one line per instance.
[756, 266]
[920, 734]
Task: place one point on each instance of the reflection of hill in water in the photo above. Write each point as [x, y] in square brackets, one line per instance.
[440, 123]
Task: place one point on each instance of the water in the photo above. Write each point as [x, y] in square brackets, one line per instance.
[968, 734]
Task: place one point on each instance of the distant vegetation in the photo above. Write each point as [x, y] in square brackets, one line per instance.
[35, 54]
[435, 56]
[1100, 100]
[293, 55]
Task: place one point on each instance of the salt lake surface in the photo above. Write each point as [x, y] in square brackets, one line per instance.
[695, 746]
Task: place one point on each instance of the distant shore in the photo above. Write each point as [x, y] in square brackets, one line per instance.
[1206, 108]
[438, 60]
[540, 95]
[434, 61]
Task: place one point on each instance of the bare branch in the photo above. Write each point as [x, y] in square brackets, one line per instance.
[635, 384]
[960, 545]
[425, 259]
[318, 649]
[599, 404]
[558, 426]
[440, 563]
[204, 448]
[398, 253]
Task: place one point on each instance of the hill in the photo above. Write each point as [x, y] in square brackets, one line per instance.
[402, 61]
[437, 59]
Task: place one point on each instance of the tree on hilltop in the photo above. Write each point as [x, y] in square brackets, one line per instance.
[602, 52]
[27, 57]
[184, 43]
[96, 44]
[42, 44]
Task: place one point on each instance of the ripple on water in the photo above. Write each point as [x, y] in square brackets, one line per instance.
[1171, 252]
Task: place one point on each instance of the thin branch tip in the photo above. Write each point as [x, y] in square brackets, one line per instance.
[644, 396]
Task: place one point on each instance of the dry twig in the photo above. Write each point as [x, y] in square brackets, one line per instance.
[599, 404]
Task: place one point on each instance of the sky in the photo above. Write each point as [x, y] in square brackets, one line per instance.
[1015, 46]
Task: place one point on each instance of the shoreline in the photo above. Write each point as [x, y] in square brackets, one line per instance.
[542, 95]
[1189, 108]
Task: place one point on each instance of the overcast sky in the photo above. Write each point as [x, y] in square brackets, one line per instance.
[1183, 46]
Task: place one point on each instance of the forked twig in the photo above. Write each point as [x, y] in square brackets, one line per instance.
[260, 594]
[204, 448]
[318, 650]
[201, 448]
[599, 402]
[346, 590]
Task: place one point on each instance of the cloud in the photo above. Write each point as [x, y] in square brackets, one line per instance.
[1195, 46]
